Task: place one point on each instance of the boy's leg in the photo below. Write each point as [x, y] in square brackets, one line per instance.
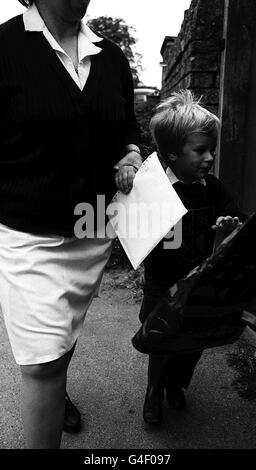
[152, 410]
[157, 365]
[179, 372]
[172, 373]
[180, 369]
[43, 402]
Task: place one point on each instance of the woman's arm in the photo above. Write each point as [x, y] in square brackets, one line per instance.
[132, 160]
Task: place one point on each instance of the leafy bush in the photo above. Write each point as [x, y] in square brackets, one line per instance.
[144, 113]
[118, 258]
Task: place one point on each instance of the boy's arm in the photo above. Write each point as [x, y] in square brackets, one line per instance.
[228, 216]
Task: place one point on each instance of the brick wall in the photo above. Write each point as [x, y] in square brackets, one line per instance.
[193, 58]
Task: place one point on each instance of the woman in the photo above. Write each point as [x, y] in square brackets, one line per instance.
[66, 120]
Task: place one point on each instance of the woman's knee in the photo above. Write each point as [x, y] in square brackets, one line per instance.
[48, 369]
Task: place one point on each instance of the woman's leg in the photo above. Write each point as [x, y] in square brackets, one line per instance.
[43, 401]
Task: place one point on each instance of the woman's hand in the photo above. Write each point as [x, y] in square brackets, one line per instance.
[124, 178]
[226, 224]
[126, 171]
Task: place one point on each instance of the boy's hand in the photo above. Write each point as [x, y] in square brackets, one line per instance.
[226, 224]
[126, 171]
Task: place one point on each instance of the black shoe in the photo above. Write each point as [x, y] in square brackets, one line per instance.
[72, 417]
[152, 409]
[175, 397]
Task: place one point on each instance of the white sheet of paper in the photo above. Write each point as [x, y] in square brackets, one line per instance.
[146, 215]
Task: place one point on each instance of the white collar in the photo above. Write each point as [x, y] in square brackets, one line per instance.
[34, 22]
[173, 178]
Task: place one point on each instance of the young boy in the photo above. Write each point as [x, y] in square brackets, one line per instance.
[186, 135]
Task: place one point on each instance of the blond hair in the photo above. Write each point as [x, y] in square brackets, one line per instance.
[176, 118]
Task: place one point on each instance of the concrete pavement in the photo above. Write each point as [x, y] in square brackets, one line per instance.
[107, 382]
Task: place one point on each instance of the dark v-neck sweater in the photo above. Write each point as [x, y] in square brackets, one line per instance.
[58, 144]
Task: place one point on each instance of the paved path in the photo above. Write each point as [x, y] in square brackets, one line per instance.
[107, 382]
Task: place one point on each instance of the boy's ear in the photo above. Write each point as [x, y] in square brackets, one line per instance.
[172, 157]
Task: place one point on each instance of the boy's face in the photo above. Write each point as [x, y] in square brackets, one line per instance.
[196, 158]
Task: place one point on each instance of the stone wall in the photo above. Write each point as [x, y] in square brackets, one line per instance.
[193, 59]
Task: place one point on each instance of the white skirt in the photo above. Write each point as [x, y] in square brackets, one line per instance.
[46, 286]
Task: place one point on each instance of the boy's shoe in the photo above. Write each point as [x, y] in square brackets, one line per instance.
[72, 417]
[152, 409]
[175, 397]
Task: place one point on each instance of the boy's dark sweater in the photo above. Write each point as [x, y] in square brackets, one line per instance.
[164, 267]
[58, 144]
